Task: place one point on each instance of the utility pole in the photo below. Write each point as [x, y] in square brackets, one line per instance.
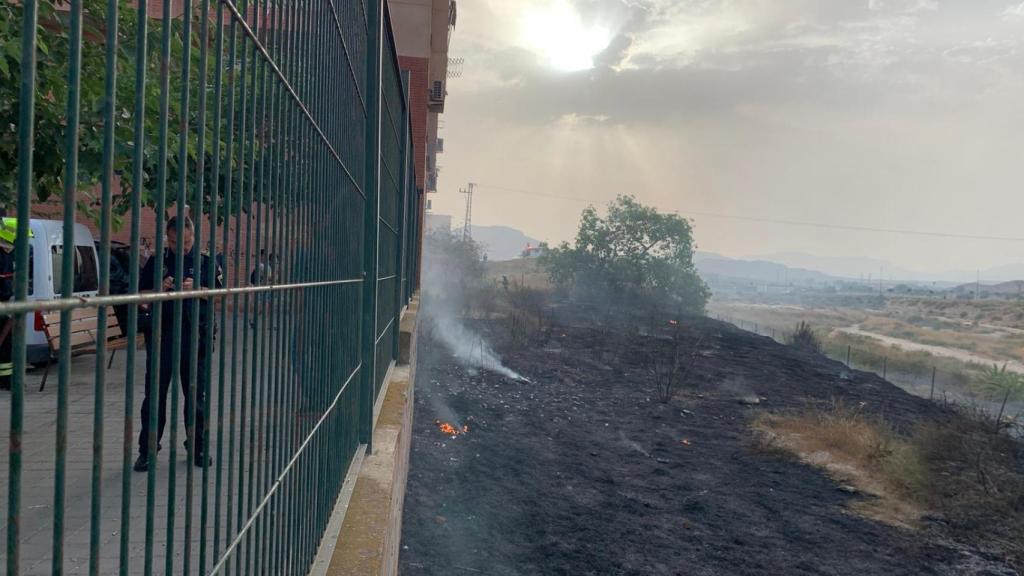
[467, 228]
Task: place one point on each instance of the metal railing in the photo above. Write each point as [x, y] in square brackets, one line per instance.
[283, 126]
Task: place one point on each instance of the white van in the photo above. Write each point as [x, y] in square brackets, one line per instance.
[46, 249]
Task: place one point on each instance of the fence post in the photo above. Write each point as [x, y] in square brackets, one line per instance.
[848, 356]
[371, 224]
[885, 367]
[26, 136]
[931, 395]
[403, 223]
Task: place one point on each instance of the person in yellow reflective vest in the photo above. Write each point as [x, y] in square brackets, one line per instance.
[8, 235]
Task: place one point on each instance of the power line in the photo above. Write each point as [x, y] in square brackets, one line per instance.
[808, 224]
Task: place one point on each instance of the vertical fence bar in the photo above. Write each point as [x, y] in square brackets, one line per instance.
[26, 139]
[109, 103]
[156, 335]
[234, 71]
[401, 223]
[372, 223]
[205, 371]
[67, 279]
[223, 368]
[179, 279]
[138, 180]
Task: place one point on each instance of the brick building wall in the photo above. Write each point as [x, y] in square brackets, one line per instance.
[418, 76]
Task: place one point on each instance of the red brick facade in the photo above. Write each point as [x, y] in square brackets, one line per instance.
[418, 68]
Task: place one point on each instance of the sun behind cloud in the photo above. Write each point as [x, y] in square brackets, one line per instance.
[555, 31]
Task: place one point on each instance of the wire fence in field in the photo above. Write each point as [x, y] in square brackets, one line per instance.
[918, 372]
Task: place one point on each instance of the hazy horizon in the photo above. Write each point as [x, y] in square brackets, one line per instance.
[884, 114]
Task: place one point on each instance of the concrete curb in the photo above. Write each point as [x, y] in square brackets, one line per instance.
[370, 515]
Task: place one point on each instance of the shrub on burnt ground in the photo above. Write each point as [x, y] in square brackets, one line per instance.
[975, 480]
[672, 366]
[804, 338]
[953, 469]
[483, 300]
[527, 305]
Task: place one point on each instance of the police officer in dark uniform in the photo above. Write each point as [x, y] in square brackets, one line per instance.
[195, 274]
[8, 233]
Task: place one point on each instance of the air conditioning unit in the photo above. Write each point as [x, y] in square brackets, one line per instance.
[440, 145]
[437, 92]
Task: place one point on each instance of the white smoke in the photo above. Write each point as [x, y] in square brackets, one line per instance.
[449, 271]
[469, 347]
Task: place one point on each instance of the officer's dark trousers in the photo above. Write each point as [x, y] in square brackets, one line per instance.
[6, 366]
[166, 365]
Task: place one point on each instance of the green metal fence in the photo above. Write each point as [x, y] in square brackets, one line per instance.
[283, 126]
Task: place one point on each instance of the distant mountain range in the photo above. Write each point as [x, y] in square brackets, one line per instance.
[857, 268]
[1013, 288]
[711, 265]
[506, 243]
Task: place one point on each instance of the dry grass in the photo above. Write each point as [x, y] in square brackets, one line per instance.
[854, 450]
[956, 470]
[980, 340]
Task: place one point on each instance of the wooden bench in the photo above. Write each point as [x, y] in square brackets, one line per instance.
[83, 333]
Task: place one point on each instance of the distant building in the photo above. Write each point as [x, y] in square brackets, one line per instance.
[532, 251]
[438, 223]
[422, 31]
[422, 34]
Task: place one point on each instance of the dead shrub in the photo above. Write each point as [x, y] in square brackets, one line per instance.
[482, 300]
[975, 480]
[804, 338]
[526, 316]
[671, 368]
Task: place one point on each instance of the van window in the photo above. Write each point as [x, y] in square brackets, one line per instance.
[86, 270]
[86, 276]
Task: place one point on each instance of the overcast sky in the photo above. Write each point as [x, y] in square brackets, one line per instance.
[903, 114]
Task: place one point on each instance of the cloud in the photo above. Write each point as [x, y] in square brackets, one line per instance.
[903, 6]
[1014, 11]
[855, 110]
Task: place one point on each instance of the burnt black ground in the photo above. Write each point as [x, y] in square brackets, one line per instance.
[582, 471]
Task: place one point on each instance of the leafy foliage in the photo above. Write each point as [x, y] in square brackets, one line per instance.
[634, 250]
[51, 105]
[999, 380]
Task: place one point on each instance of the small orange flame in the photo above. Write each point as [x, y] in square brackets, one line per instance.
[450, 430]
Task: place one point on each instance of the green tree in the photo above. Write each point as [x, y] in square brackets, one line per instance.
[633, 250]
[1000, 380]
[51, 102]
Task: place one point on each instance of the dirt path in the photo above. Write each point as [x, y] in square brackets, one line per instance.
[968, 324]
[583, 472]
[962, 355]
